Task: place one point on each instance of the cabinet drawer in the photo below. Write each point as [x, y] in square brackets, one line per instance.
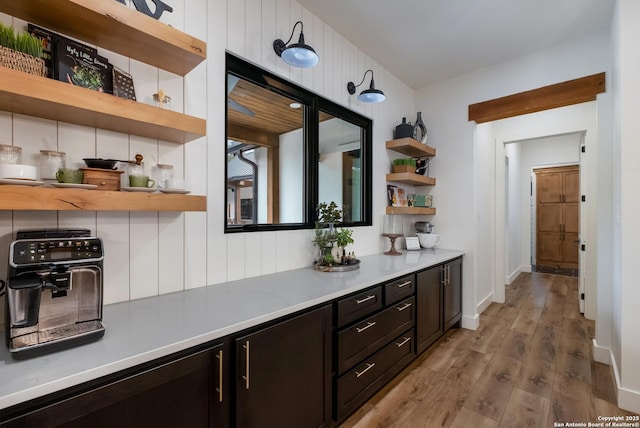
[359, 305]
[399, 289]
[357, 385]
[366, 337]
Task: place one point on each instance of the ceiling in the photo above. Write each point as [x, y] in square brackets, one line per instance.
[425, 41]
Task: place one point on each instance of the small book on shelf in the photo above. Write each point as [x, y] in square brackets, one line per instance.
[48, 38]
[80, 65]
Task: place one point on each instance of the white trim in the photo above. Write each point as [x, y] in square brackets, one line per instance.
[522, 269]
[627, 398]
[601, 354]
[470, 323]
[484, 303]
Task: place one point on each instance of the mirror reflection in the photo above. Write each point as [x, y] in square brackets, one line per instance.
[265, 155]
[287, 149]
[339, 166]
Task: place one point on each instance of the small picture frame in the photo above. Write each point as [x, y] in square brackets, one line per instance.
[428, 201]
[412, 243]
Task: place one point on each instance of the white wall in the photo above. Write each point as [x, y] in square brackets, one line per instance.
[291, 177]
[150, 253]
[625, 348]
[513, 212]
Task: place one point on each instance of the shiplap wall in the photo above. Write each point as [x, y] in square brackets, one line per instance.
[151, 253]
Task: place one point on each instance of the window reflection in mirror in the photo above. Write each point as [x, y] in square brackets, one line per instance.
[287, 149]
[339, 166]
[265, 156]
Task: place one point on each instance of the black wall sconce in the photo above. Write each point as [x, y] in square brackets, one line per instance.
[371, 95]
[297, 54]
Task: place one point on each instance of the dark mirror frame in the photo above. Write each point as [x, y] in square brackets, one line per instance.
[313, 104]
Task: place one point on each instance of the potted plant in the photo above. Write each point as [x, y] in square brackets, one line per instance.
[21, 51]
[404, 165]
[331, 242]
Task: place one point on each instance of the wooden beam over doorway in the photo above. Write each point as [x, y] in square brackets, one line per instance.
[562, 94]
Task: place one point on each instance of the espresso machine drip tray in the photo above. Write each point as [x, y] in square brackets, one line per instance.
[80, 332]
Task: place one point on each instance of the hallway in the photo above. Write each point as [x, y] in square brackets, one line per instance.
[529, 364]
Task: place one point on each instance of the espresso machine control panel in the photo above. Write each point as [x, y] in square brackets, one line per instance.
[55, 251]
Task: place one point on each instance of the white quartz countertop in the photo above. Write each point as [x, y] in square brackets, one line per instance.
[142, 330]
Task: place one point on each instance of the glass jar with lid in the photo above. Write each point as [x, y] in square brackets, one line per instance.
[10, 154]
[50, 162]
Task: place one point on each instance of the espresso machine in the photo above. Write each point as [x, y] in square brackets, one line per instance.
[54, 291]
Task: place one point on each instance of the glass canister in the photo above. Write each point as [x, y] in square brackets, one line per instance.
[10, 154]
[50, 162]
[164, 173]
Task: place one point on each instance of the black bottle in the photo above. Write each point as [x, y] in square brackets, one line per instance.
[404, 129]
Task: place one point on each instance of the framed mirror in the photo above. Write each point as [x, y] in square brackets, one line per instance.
[288, 149]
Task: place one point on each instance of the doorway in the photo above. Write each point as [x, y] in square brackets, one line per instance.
[557, 219]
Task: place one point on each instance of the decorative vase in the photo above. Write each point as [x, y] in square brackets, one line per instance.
[420, 130]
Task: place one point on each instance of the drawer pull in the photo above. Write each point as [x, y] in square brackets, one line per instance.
[369, 367]
[246, 365]
[369, 325]
[366, 299]
[404, 284]
[220, 371]
[403, 307]
[406, 339]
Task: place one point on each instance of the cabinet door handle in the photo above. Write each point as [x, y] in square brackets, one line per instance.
[443, 275]
[369, 325]
[220, 371]
[403, 307]
[406, 339]
[404, 284]
[448, 274]
[366, 299]
[369, 367]
[246, 365]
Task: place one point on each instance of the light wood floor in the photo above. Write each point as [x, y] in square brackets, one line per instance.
[529, 364]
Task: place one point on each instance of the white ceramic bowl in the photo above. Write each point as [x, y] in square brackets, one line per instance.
[18, 171]
[428, 240]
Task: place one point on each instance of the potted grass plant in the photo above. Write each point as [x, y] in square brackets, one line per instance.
[404, 165]
[21, 51]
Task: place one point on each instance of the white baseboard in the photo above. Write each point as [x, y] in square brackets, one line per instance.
[627, 398]
[601, 354]
[484, 304]
[470, 323]
[510, 278]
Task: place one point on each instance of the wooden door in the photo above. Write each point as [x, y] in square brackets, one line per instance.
[557, 216]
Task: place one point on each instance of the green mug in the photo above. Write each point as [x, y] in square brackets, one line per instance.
[141, 181]
[68, 175]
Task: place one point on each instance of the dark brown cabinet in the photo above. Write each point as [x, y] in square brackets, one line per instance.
[376, 346]
[438, 301]
[452, 293]
[283, 373]
[188, 391]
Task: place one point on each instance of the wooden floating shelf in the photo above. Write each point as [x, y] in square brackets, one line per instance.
[411, 211]
[116, 27]
[410, 147]
[50, 99]
[55, 199]
[411, 179]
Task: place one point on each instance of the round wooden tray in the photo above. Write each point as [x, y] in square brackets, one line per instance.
[337, 268]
